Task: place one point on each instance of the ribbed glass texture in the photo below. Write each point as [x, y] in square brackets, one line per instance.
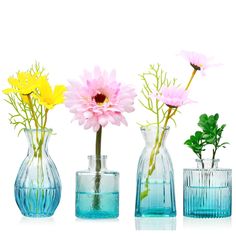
[207, 191]
[101, 200]
[37, 185]
[160, 200]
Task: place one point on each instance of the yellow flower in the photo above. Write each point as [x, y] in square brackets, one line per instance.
[47, 97]
[24, 84]
[25, 98]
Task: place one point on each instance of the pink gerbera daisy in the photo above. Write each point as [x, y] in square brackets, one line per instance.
[173, 96]
[198, 61]
[99, 99]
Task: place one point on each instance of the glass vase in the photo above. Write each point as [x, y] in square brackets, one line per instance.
[97, 191]
[155, 193]
[37, 185]
[207, 190]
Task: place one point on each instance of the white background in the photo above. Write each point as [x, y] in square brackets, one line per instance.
[70, 36]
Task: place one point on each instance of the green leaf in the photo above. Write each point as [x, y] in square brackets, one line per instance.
[198, 135]
[216, 117]
[188, 142]
[203, 118]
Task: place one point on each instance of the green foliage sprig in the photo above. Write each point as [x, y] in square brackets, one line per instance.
[210, 134]
[153, 81]
[21, 116]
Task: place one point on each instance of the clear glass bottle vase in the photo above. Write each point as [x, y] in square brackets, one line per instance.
[97, 191]
[207, 190]
[37, 185]
[155, 193]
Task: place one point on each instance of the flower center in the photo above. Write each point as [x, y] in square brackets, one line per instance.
[196, 67]
[100, 99]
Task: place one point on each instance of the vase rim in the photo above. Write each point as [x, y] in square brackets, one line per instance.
[39, 130]
[143, 128]
[207, 159]
[97, 157]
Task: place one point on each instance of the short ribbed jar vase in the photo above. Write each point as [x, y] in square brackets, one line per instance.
[207, 190]
[97, 191]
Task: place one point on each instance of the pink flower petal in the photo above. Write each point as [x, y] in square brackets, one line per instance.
[81, 99]
[173, 96]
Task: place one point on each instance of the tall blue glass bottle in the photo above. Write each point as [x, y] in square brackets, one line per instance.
[155, 194]
[38, 185]
[207, 190]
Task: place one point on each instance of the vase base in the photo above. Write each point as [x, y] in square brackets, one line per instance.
[37, 215]
[37, 202]
[208, 214]
[107, 205]
[96, 215]
[155, 215]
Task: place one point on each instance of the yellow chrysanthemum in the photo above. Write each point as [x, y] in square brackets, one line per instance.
[47, 97]
[24, 84]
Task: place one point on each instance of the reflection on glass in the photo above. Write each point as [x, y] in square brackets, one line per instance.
[27, 220]
[210, 223]
[155, 223]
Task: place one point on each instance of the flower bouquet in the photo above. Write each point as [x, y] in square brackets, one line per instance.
[162, 97]
[95, 102]
[37, 185]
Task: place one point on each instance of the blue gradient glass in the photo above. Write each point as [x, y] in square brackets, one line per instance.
[160, 201]
[207, 191]
[37, 185]
[100, 203]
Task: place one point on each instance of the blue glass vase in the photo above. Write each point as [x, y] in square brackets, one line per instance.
[97, 191]
[37, 185]
[155, 193]
[207, 190]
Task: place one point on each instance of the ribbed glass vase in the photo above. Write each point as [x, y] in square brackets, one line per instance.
[97, 191]
[155, 193]
[38, 185]
[207, 190]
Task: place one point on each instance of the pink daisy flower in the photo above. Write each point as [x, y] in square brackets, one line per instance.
[99, 99]
[173, 96]
[198, 61]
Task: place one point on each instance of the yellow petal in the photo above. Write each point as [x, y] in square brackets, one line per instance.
[13, 82]
[44, 87]
[58, 95]
[9, 90]
[47, 105]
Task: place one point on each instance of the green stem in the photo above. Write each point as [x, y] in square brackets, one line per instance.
[96, 200]
[213, 157]
[33, 115]
[158, 141]
[41, 114]
[43, 133]
[191, 79]
[169, 115]
[200, 157]
[154, 153]
[46, 118]
[98, 142]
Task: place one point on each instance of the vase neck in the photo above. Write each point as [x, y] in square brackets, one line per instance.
[207, 163]
[96, 163]
[153, 134]
[38, 140]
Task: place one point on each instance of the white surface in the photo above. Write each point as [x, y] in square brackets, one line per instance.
[68, 36]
